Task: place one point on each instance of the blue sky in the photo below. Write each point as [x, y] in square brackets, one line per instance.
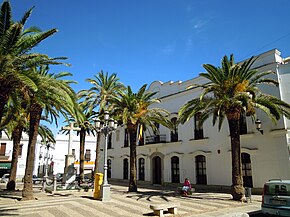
[144, 41]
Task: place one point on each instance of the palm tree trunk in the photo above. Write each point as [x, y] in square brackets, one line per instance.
[97, 159]
[237, 189]
[133, 167]
[82, 152]
[35, 115]
[16, 136]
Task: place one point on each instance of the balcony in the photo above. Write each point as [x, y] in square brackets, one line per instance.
[155, 139]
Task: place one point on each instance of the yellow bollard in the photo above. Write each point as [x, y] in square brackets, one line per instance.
[97, 185]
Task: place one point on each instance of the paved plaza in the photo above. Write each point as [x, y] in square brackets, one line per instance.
[122, 203]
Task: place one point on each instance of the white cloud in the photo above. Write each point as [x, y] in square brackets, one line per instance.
[198, 24]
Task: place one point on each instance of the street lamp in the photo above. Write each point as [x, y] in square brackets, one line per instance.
[46, 166]
[107, 126]
[258, 126]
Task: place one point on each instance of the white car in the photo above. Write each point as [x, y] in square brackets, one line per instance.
[5, 178]
[276, 198]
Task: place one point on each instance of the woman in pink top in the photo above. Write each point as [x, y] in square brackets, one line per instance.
[186, 187]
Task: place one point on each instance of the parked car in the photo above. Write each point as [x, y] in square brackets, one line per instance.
[276, 198]
[35, 179]
[5, 178]
[59, 177]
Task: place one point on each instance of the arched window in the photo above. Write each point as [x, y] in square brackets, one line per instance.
[141, 165]
[175, 170]
[125, 168]
[243, 124]
[198, 129]
[109, 141]
[200, 165]
[247, 170]
[174, 132]
[126, 138]
[109, 162]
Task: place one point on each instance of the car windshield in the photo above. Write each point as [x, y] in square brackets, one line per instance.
[277, 189]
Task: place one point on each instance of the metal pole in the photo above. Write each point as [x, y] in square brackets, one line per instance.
[46, 169]
[105, 156]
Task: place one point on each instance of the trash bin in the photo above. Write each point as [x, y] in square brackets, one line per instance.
[248, 194]
[97, 185]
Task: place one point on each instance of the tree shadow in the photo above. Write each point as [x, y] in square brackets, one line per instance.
[149, 195]
[7, 212]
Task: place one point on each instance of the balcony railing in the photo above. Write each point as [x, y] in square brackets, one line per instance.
[155, 139]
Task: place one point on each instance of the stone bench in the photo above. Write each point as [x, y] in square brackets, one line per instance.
[159, 208]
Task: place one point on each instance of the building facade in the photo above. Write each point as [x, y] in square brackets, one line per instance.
[203, 154]
[43, 157]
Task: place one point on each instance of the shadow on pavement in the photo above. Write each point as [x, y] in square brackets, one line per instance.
[6, 212]
[59, 195]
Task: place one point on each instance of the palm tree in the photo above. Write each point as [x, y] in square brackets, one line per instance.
[233, 90]
[132, 109]
[104, 87]
[53, 96]
[15, 46]
[83, 117]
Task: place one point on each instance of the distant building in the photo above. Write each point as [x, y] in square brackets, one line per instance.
[41, 157]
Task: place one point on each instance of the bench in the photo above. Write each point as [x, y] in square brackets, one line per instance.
[159, 208]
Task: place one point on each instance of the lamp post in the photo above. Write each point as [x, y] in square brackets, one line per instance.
[46, 167]
[106, 127]
[258, 126]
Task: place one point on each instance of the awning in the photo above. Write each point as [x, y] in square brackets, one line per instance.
[5, 166]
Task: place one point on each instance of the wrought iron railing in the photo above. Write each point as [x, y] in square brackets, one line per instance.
[155, 139]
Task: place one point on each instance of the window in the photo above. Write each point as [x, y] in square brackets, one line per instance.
[109, 162]
[247, 170]
[243, 124]
[156, 133]
[126, 139]
[141, 164]
[132, 138]
[20, 150]
[175, 170]
[125, 168]
[109, 141]
[2, 149]
[174, 132]
[198, 130]
[88, 155]
[200, 165]
[73, 151]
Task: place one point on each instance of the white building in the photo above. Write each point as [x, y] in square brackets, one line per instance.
[41, 156]
[204, 154]
[201, 154]
[61, 149]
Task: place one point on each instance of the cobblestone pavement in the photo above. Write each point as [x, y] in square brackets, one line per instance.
[122, 203]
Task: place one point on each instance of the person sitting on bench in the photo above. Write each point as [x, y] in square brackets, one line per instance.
[186, 187]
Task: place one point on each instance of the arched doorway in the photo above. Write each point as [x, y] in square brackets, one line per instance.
[141, 164]
[247, 170]
[200, 166]
[156, 168]
[175, 178]
[125, 168]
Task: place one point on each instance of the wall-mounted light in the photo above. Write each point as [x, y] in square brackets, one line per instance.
[258, 126]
